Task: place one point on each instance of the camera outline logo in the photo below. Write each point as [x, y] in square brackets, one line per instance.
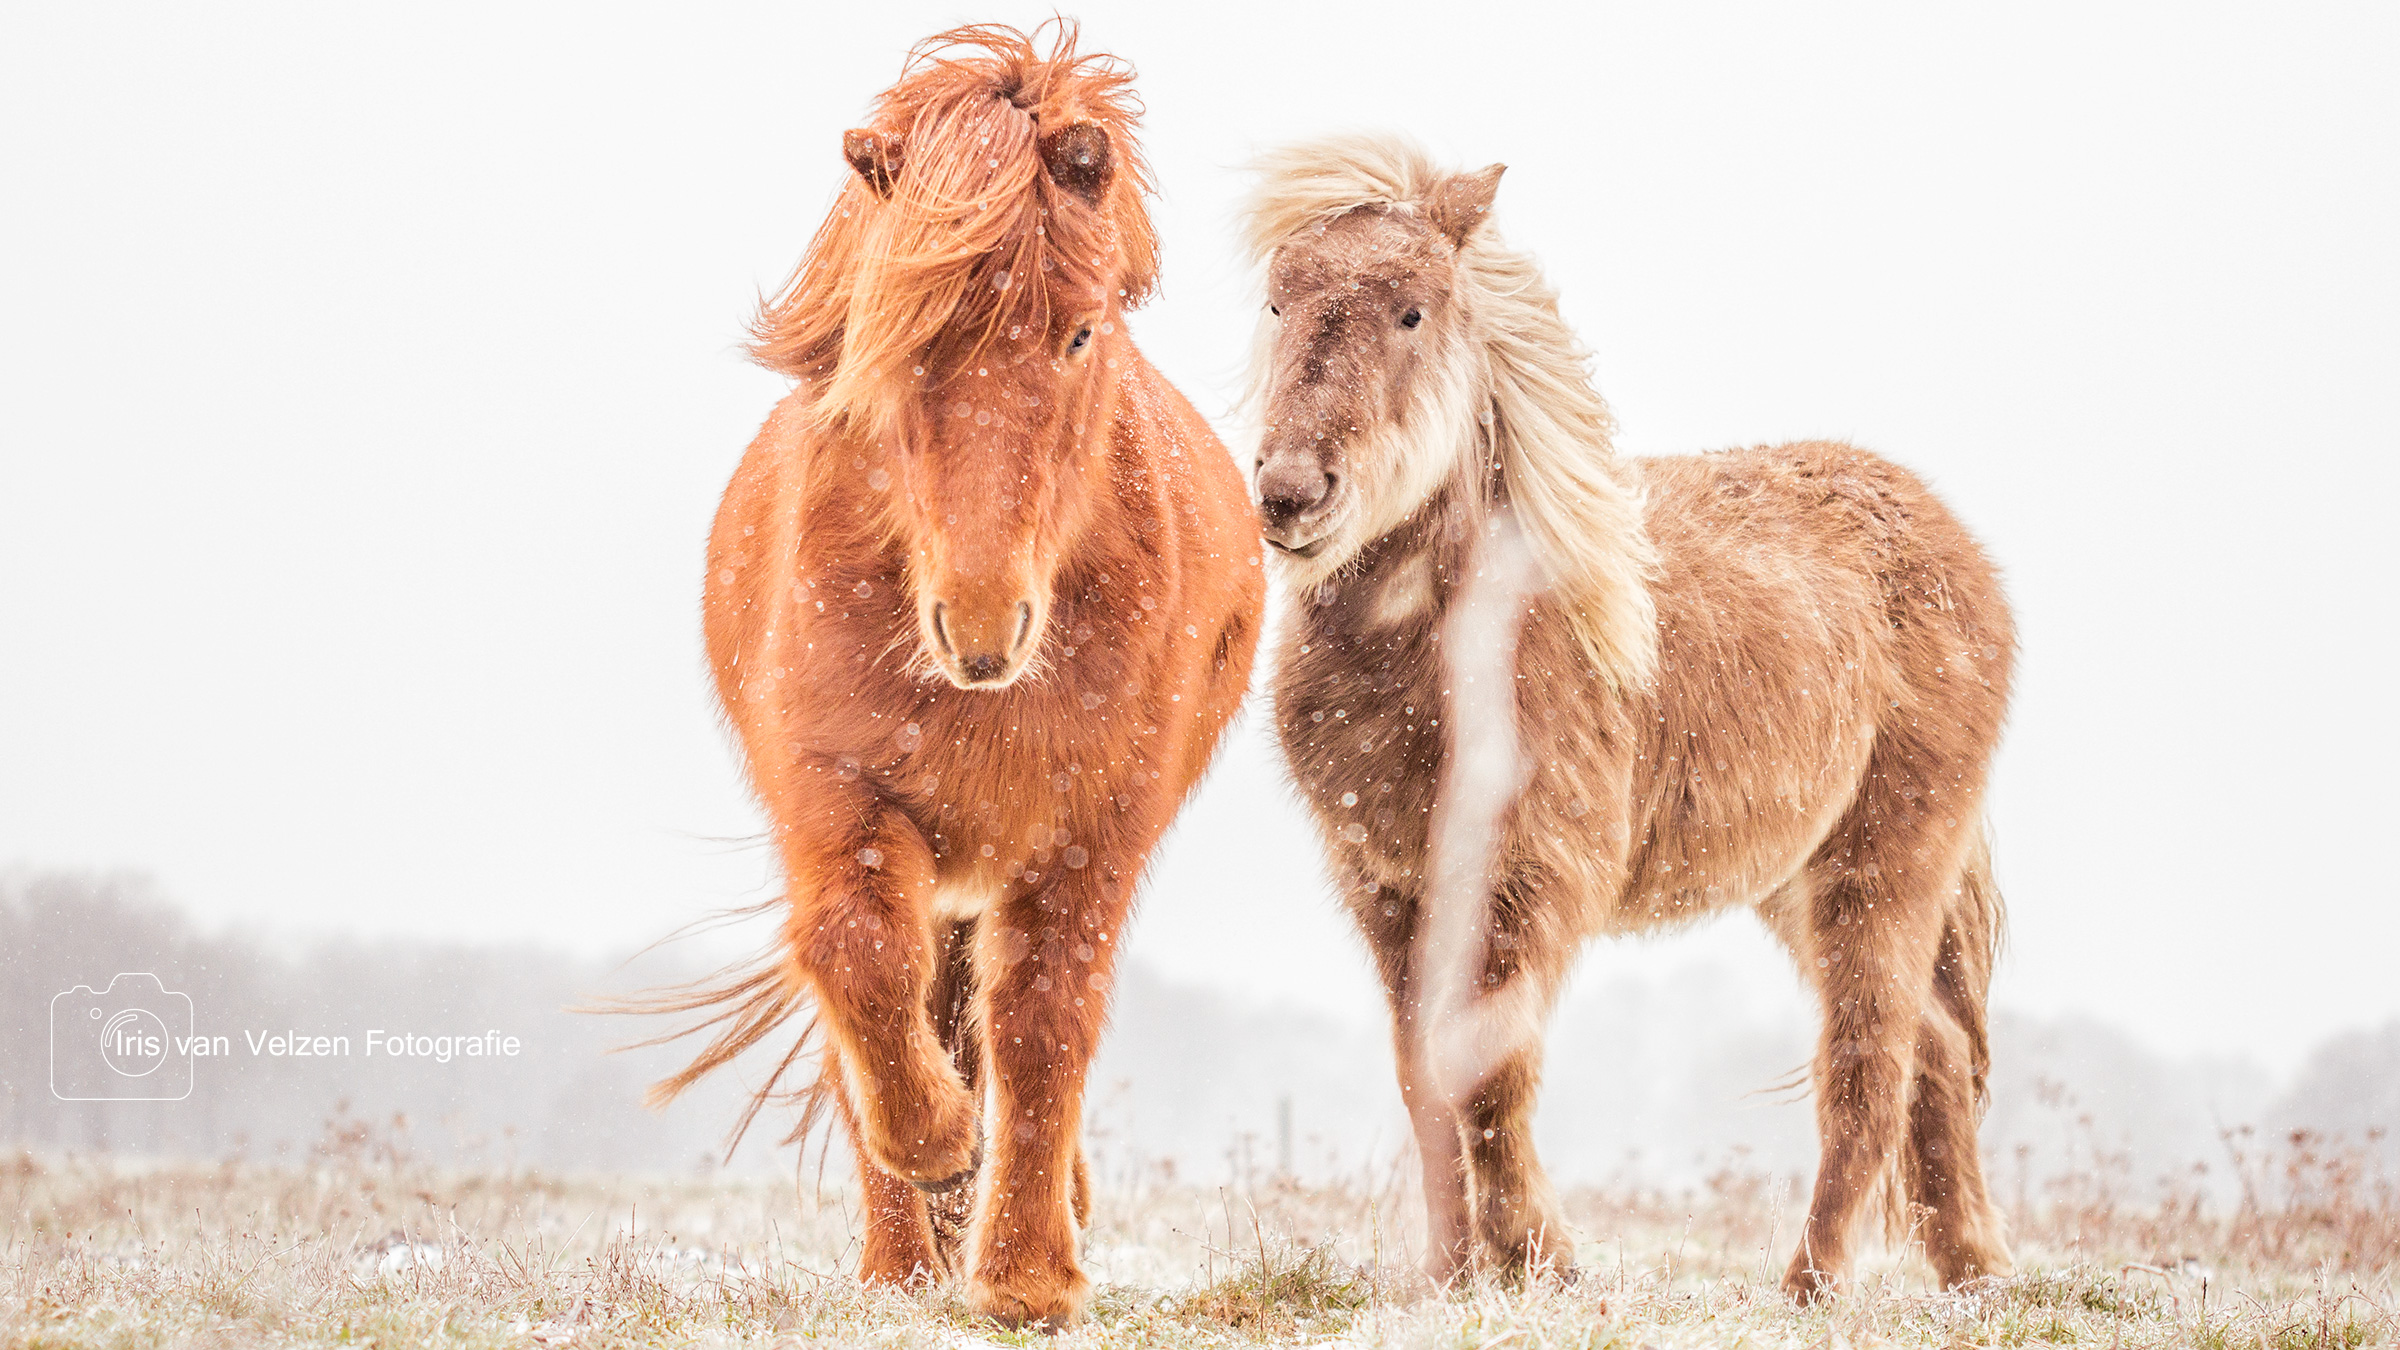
[130, 1042]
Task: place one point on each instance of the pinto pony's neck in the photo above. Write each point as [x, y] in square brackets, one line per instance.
[1514, 418]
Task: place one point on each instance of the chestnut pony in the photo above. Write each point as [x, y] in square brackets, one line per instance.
[981, 598]
[1535, 694]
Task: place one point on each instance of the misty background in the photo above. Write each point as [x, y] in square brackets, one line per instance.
[369, 378]
[1659, 1082]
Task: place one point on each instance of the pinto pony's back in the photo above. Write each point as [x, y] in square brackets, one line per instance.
[980, 600]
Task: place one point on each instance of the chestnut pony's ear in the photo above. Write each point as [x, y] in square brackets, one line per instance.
[1460, 202]
[876, 155]
[1078, 158]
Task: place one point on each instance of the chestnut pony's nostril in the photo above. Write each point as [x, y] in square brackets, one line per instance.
[1024, 625]
[941, 635]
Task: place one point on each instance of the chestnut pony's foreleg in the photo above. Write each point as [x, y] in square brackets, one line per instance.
[1082, 1202]
[1046, 959]
[861, 879]
[952, 1005]
[899, 1247]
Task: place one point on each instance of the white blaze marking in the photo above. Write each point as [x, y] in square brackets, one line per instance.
[1463, 1035]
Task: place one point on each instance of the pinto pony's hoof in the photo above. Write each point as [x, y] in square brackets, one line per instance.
[1806, 1284]
[1960, 1269]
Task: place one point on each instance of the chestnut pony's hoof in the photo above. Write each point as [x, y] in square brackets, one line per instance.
[1049, 1310]
[945, 1185]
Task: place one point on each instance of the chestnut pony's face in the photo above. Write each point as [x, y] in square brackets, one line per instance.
[996, 476]
[1366, 393]
[998, 429]
[1001, 470]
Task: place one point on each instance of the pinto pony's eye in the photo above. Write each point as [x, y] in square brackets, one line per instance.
[1412, 318]
[1083, 339]
[1274, 311]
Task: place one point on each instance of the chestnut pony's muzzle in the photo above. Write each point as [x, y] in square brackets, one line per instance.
[980, 642]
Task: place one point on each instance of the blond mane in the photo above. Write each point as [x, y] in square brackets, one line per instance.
[1535, 413]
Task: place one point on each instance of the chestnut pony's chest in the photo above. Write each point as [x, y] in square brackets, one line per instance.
[989, 775]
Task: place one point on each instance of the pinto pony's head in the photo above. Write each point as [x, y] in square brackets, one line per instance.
[959, 319]
[1404, 348]
[1368, 368]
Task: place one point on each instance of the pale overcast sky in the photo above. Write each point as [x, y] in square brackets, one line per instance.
[369, 375]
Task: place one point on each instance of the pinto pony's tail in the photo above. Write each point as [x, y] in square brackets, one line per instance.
[1971, 942]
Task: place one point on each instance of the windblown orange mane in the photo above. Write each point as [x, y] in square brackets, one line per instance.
[974, 241]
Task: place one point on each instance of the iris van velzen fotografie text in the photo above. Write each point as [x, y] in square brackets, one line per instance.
[135, 1041]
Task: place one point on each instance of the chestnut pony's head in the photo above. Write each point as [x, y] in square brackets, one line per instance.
[959, 322]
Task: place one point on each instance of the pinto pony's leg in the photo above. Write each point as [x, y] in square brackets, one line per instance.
[1516, 1212]
[859, 929]
[1878, 954]
[1046, 962]
[1517, 1216]
[1965, 1236]
[1388, 918]
[1879, 896]
[1442, 1156]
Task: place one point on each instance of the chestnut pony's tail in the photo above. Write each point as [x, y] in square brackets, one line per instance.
[740, 1005]
[748, 1001]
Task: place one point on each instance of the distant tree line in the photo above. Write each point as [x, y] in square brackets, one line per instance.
[1663, 1081]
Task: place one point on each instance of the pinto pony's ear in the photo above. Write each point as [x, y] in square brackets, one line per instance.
[1079, 160]
[876, 155]
[1460, 202]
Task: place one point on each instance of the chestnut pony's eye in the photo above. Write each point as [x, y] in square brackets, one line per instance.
[1083, 337]
[1274, 311]
[1412, 318]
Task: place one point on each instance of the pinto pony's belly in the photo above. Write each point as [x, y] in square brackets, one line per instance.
[1714, 787]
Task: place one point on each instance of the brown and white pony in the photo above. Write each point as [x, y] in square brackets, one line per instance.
[1535, 694]
[981, 598]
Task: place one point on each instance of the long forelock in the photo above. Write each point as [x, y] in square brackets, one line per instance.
[1432, 442]
[976, 246]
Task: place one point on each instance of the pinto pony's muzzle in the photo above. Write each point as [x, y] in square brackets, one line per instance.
[1299, 493]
